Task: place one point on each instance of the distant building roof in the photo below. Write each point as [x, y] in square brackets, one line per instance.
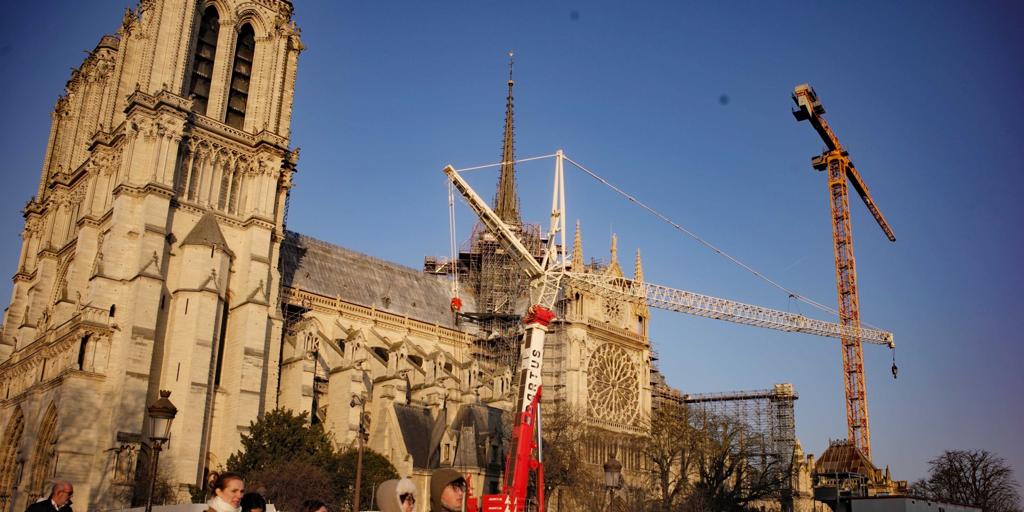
[844, 457]
[326, 269]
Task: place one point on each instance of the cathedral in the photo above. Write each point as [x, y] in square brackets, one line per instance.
[155, 256]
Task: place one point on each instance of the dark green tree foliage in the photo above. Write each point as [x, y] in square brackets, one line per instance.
[280, 436]
[970, 477]
[291, 460]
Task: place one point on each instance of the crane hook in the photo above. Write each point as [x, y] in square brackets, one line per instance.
[895, 369]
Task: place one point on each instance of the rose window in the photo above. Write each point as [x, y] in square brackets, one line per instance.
[613, 384]
[612, 310]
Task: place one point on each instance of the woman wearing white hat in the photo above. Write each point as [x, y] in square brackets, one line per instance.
[396, 495]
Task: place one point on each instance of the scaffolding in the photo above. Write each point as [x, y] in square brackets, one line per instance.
[769, 417]
[500, 289]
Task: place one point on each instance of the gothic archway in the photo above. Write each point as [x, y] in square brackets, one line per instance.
[44, 455]
[9, 456]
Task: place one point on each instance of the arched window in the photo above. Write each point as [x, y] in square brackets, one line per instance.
[43, 455]
[81, 351]
[9, 453]
[241, 72]
[225, 182]
[202, 61]
[198, 161]
[233, 193]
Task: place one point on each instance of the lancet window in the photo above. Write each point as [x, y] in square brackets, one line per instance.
[241, 73]
[202, 61]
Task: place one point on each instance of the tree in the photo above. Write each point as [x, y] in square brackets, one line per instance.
[971, 477]
[293, 460]
[289, 483]
[280, 436]
[564, 432]
[164, 492]
[671, 449]
[376, 469]
[734, 467]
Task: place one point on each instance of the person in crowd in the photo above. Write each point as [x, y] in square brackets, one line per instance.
[58, 501]
[447, 491]
[253, 502]
[228, 489]
[396, 495]
[313, 506]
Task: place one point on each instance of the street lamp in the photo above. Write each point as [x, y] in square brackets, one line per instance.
[161, 414]
[361, 402]
[612, 476]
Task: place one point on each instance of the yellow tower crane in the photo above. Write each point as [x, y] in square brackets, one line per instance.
[837, 161]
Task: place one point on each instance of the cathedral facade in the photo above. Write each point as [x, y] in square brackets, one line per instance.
[149, 254]
[155, 257]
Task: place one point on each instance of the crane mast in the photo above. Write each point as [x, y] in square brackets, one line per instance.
[546, 278]
[836, 160]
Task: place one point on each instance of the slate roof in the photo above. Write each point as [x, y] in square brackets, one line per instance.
[206, 232]
[483, 424]
[326, 269]
[416, 424]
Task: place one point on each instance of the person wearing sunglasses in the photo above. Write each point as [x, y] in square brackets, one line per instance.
[396, 495]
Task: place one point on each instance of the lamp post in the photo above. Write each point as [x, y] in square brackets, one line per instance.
[161, 414]
[612, 477]
[362, 437]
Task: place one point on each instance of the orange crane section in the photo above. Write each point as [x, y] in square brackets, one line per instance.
[837, 161]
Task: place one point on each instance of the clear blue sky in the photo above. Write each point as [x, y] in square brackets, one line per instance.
[686, 105]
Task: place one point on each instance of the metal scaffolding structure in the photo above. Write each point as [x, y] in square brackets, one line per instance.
[767, 412]
[499, 287]
[769, 416]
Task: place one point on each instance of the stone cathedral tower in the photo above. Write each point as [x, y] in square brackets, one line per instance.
[149, 254]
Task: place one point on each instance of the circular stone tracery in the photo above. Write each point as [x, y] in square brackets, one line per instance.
[612, 310]
[613, 384]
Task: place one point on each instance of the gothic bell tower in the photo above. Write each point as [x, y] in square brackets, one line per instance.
[149, 254]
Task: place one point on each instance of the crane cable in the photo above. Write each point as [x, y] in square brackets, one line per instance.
[452, 262]
[704, 242]
[709, 245]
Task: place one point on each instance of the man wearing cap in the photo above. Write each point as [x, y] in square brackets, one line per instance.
[447, 491]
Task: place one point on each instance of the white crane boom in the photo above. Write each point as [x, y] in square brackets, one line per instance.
[508, 240]
[682, 301]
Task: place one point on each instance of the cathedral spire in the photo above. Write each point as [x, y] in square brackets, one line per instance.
[638, 269]
[506, 200]
[577, 250]
[613, 266]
